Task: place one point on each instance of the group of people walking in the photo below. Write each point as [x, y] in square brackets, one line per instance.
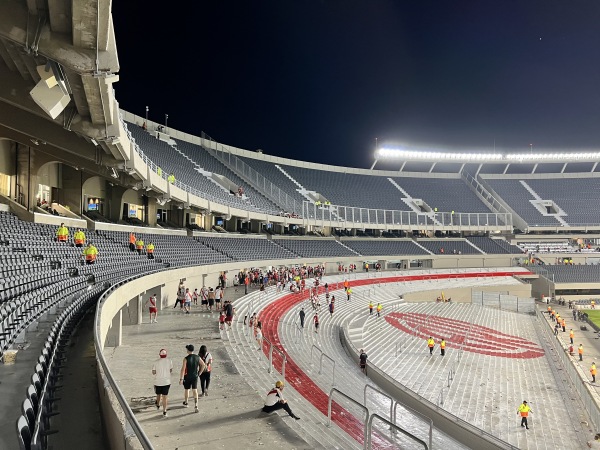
[195, 369]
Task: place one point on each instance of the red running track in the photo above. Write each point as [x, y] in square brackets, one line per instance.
[301, 382]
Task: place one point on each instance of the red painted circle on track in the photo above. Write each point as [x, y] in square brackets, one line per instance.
[470, 337]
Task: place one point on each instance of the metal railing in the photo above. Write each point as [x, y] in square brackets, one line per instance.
[364, 408]
[481, 190]
[383, 394]
[426, 220]
[368, 440]
[422, 416]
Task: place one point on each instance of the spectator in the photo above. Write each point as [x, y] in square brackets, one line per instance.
[191, 368]
[152, 309]
[222, 321]
[302, 315]
[180, 296]
[188, 301]
[258, 334]
[362, 360]
[229, 311]
[171, 178]
[62, 233]
[275, 401]
[211, 299]
[79, 238]
[162, 369]
[206, 357]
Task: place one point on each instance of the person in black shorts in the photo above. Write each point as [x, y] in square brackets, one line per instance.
[191, 369]
[362, 360]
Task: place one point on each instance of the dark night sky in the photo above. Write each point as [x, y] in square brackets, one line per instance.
[319, 80]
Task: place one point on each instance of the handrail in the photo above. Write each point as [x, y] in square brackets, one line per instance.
[323, 355]
[389, 397]
[422, 416]
[394, 426]
[364, 408]
[129, 416]
[283, 359]
[311, 352]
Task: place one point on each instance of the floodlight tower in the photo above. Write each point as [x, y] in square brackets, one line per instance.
[376, 155]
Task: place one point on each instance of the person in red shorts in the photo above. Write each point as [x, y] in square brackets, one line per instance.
[152, 309]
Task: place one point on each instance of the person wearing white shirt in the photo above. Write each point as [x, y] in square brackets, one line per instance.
[275, 401]
[161, 370]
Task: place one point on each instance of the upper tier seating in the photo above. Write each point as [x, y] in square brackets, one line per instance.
[493, 246]
[569, 274]
[450, 246]
[244, 249]
[376, 247]
[578, 197]
[445, 194]
[171, 161]
[315, 248]
[517, 197]
[211, 164]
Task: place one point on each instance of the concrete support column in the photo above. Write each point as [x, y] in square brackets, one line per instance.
[208, 222]
[132, 311]
[115, 332]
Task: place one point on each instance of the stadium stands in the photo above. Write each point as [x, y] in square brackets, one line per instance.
[518, 198]
[241, 249]
[449, 246]
[376, 247]
[569, 273]
[493, 246]
[315, 248]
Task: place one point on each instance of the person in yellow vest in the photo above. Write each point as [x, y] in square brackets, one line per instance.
[367, 267]
[524, 411]
[370, 308]
[549, 310]
[150, 250]
[593, 304]
[79, 238]
[62, 234]
[443, 346]
[90, 253]
[430, 344]
[558, 319]
[580, 352]
[171, 178]
[379, 308]
[593, 372]
[571, 335]
[563, 324]
[139, 246]
[159, 172]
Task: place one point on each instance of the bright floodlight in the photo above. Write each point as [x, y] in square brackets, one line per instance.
[414, 155]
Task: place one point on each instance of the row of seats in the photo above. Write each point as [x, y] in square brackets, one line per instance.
[34, 425]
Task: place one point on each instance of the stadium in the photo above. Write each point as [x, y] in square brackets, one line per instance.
[104, 211]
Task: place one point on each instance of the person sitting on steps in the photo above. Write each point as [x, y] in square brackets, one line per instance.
[275, 401]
